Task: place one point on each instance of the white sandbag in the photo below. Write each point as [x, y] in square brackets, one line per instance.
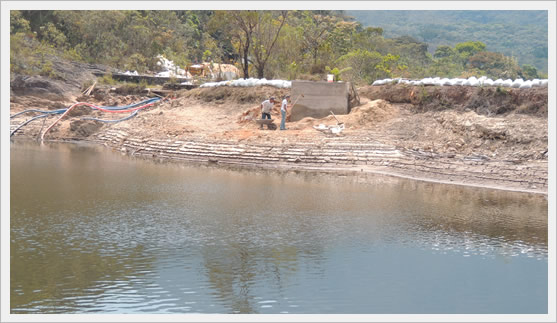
[427, 81]
[498, 82]
[544, 83]
[536, 83]
[507, 83]
[526, 85]
[445, 82]
[475, 83]
[488, 82]
[517, 83]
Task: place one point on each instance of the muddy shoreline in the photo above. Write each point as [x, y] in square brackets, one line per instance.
[422, 140]
[460, 171]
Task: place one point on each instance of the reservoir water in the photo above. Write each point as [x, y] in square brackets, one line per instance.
[94, 231]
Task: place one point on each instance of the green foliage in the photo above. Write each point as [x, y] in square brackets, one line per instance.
[336, 72]
[52, 35]
[362, 66]
[529, 72]
[293, 70]
[107, 79]
[27, 56]
[517, 33]
[207, 55]
[469, 48]
[143, 84]
[444, 51]
[272, 44]
[47, 70]
[18, 24]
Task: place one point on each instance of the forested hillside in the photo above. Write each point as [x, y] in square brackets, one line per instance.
[262, 44]
[522, 34]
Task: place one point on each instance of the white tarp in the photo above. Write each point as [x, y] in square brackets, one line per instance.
[169, 69]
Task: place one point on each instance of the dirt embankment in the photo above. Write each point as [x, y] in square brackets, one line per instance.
[489, 101]
[474, 136]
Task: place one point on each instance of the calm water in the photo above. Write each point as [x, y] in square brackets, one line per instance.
[93, 231]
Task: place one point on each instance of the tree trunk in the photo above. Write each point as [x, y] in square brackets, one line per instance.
[246, 60]
[260, 71]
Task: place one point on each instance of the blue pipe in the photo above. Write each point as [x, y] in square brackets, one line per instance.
[115, 108]
[26, 122]
[60, 111]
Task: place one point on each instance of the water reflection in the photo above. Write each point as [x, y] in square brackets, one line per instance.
[96, 231]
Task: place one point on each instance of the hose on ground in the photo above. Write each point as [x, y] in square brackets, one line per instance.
[39, 111]
[151, 102]
[26, 122]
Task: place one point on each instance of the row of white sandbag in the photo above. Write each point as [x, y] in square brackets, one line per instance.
[250, 82]
[471, 81]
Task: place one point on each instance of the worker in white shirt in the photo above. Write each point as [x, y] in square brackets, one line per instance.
[283, 110]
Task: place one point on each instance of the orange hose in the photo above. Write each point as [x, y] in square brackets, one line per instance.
[94, 107]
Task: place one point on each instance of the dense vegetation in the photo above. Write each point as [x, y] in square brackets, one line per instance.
[521, 34]
[270, 44]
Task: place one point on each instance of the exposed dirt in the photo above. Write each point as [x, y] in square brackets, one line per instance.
[507, 125]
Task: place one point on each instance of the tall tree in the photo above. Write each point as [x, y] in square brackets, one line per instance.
[315, 30]
[240, 26]
[266, 34]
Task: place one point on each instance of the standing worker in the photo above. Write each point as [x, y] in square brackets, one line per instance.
[283, 110]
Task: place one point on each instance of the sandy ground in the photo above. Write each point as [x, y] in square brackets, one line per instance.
[507, 142]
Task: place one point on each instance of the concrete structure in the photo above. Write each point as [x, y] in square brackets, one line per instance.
[320, 98]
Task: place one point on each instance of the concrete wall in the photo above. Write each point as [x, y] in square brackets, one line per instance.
[320, 98]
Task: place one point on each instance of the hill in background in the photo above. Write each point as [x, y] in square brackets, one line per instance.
[522, 34]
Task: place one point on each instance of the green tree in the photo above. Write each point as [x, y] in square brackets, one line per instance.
[366, 67]
[315, 29]
[494, 65]
[444, 51]
[240, 27]
[529, 72]
[18, 23]
[266, 34]
[469, 48]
